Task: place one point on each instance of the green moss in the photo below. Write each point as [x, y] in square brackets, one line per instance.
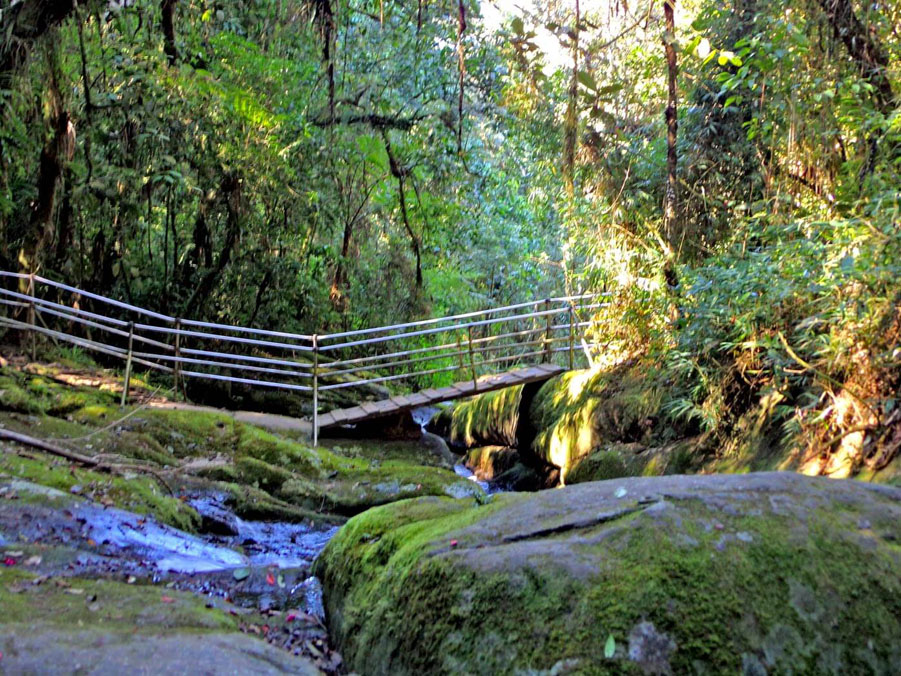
[35, 394]
[139, 494]
[261, 445]
[722, 605]
[76, 602]
[488, 419]
[613, 461]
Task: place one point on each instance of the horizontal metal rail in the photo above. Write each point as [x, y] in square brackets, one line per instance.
[469, 343]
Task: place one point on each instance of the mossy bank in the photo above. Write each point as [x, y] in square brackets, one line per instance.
[162, 453]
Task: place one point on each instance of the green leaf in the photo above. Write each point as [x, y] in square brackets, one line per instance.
[586, 80]
[610, 647]
[517, 25]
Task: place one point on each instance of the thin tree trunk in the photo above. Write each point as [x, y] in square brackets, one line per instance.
[400, 173]
[670, 220]
[261, 291]
[461, 67]
[325, 18]
[231, 191]
[57, 152]
[570, 125]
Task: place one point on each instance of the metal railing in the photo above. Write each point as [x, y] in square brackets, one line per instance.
[472, 343]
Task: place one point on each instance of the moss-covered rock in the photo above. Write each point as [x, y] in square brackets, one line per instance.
[616, 460]
[490, 419]
[72, 625]
[579, 411]
[765, 572]
[565, 420]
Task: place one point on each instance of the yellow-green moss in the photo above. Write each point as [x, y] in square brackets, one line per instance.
[484, 420]
[578, 411]
[26, 393]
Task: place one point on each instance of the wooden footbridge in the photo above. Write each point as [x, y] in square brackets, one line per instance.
[405, 402]
[423, 362]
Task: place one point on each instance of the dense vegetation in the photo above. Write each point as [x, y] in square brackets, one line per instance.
[727, 172]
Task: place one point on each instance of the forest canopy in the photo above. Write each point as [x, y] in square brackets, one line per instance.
[316, 165]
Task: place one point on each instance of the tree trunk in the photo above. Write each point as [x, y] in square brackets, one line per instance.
[325, 18]
[400, 174]
[863, 48]
[168, 11]
[570, 124]
[873, 63]
[670, 220]
[57, 152]
[20, 25]
[231, 192]
[461, 68]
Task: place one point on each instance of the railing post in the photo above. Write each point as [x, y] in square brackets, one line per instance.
[31, 317]
[572, 335]
[547, 336]
[131, 336]
[472, 361]
[176, 371]
[460, 353]
[315, 391]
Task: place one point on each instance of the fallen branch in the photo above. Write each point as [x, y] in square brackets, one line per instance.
[94, 463]
[47, 447]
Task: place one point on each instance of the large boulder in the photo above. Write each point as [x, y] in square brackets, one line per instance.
[757, 573]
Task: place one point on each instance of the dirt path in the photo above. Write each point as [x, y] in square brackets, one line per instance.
[270, 421]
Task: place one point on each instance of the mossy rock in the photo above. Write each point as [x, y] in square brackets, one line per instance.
[756, 573]
[23, 392]
[617, 460]
[578, 411]
[565, 419]
[490, 419]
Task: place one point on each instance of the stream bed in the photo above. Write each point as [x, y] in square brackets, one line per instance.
[258, 571]
[250, 569]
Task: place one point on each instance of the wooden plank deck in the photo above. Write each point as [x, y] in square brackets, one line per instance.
[396, 404]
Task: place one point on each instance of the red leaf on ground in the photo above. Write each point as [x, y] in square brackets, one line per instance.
[453, 543]
[167, 599]
[270, 579]
[9, 561]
